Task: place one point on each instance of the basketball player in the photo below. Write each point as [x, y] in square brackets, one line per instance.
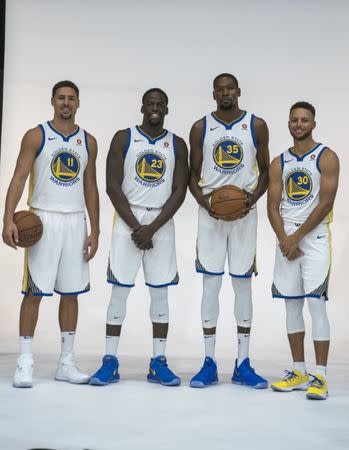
[228, 147]
[303, 186]
[147, 177]
[61, 158]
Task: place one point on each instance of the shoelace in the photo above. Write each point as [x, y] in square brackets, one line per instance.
[316, 382]
[290, 376]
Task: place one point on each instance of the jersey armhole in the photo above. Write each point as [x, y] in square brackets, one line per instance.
[42, 141]
[282, 159]
[128, 141]
[174, 137]
[86, 143]
[318, 159]
[203, 131]
[252, 132]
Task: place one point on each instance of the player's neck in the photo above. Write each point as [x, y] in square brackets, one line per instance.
[65, 127]
[303, 147]
[152, 131]
[229, 116]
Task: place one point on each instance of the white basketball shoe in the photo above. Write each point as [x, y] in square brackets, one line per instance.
[68, 371]
[24, 372]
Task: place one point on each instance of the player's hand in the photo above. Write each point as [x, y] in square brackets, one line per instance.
[142, 237]
[10, 234]
[289, 247]
[250, 201]
[204, 201]
[90, 247]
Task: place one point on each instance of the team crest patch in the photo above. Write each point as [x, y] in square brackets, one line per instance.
[299, 186]
[65, 167]
[150, 169]
[228, 156]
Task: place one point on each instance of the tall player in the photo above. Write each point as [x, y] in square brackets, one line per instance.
[228, 147]
[303, 186]
[147, 177]
[61, 158]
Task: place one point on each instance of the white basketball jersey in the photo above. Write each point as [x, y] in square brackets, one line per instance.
[301, 184]
[229, 153]
[148, 168]
[56, 181]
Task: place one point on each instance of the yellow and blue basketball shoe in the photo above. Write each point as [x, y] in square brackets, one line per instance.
[317, 389]
[246, 375]
[207, 375]
[293, 381]
[108, 373]
[160, 373]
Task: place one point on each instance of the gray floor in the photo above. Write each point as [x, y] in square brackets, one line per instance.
[136, 415]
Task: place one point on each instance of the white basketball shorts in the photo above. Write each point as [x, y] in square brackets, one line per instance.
[56, 262]
[217, 238]
[308, 275]
[159, 263]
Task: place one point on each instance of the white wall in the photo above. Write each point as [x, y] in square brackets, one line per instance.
[281, 52]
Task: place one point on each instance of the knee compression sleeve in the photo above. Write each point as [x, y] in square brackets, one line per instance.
[117, 305]
[159, 305]
[243, 301]
[294, 316]
[320, 323]
[211, 286]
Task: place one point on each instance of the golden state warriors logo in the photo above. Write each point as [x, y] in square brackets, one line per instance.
[65, 166]
[150, 167]
[227, 154]
[299, 185]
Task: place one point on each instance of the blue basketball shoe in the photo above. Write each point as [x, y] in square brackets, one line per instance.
[160, 373]
[108, 373]
[246, 375]
[206, 376]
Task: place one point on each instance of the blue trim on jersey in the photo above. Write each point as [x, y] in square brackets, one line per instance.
[175, 145]
[300, 297]
[128, 141]
[41, 294]
[318, 159]
[65, 138]
[156, 286]
[282, 162]
[228, 126]
[243, 276]
[205, 272]
[42, 142]
[300, 158]
[203, 131]
[252, 132]
[120, 284]
[150, 140]
[71, 293]
[86, 142]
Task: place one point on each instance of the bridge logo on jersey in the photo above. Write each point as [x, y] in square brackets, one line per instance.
[150, 167]
[227, 154]
[65, 166]
[298, 186]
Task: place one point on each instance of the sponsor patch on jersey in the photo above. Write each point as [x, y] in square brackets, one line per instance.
[65, 167]
[244, 126]
[228, 155]
[150, 169]
[299, 186]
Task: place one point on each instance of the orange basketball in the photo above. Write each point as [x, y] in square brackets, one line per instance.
[228, 202]
[29, 228]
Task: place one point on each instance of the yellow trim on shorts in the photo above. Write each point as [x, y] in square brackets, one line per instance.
[329, 217]
[329, 235]
[25, 272]
[115, 219]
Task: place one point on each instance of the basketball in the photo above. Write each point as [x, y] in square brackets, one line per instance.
[29, 228]
[228, 202]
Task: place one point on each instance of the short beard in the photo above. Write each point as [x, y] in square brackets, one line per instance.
[226, 107]
[303, 137]
[66, 117]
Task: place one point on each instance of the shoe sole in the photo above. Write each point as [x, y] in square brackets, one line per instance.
[72, 382]
[201, 385]
[98, 382]
[23, 385]
[256, 386]
[175, 382]
[317, 397]
[302, 387]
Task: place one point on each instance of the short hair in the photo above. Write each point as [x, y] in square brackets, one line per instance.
[150, 91]
[225, 75]
[304, 105]
[65, 83]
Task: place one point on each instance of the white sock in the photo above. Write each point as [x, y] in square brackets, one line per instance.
[243, 347]
[210, 344]
[67, 342]
[321, 370]
[111, 345]
[159, 347]
[25, 345]
[300, 366]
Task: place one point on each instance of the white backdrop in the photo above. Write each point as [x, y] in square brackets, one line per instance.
[281, 52]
